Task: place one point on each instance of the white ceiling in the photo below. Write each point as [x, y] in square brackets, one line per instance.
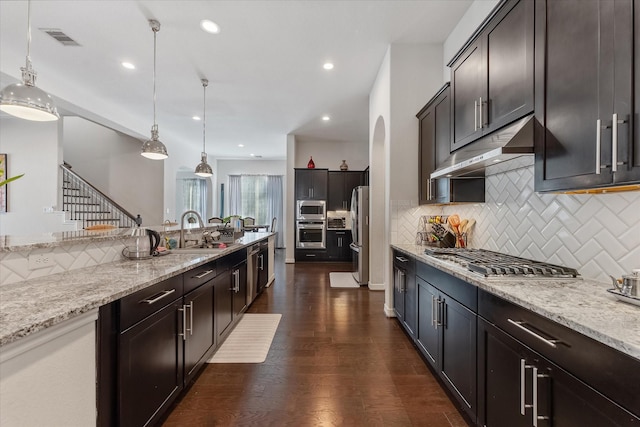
[265, 67]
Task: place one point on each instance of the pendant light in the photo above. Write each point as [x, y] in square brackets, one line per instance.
[25, 100]
[153, 148]
[203, 169]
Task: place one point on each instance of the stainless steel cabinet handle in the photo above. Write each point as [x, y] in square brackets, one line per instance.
[433, 312]
[261, 257]
[614, 142]
[535, 415]
[402, 259]
[428, 188]
[402, 279]
[480, 108]
[519, 324]
[203, 274]
[190, 329]
[443, 313]
[598, 144]
[523, 369]
[475, 115]
[439, 316]
[158, 297]
[237, 275]
[184, 323]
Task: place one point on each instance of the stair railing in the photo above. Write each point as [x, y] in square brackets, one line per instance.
[87, 204]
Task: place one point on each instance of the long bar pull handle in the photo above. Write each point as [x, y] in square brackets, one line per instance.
[614, 143]
[523, 371]
[475, 115]
[190, 329]
[535, 415]
[428, 188]
[439, 315]
[480, 108]
[157, 296]
[598, 144]
[402, 259]
[403, 279]
[549, 342]
[203, 274]
[433, 312]
[184, 322]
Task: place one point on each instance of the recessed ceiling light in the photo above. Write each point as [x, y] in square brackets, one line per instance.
[209, 26]
[328, 66]
[128, 65]
[240, 145]
[326, 118]
[196, 118]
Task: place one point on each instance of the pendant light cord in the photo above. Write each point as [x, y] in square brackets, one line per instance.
[205, 82]
[28, 33]
[155, 34]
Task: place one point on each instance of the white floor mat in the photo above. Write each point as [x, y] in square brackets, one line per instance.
[343, 280]
[250, 340]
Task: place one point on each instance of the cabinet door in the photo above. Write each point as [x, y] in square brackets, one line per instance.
[427, 155]
[352, 179]
[320, 184]
[410, 301]
[499, 379]
[343, 245]
[427, 333]
[458, 350]
[222, 301]
[571, 92]
[263, 270]
[200, 335]
[398, 293]
[150, 367]
[468, 85]
[304, 184]
[508, 47]
[335, 199]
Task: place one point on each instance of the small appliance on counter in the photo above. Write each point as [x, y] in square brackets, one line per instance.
[145, 245]
[336, 223]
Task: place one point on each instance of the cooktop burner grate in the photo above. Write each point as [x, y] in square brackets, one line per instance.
[493, 264]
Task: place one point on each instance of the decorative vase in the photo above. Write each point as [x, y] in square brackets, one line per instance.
[344, 166]
[311, 165]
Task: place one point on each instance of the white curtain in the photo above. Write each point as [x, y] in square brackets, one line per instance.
[274, 206]
[194, 196]
[235, 195]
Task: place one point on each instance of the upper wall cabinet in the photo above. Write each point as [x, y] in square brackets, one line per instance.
[584, 94]
[492, 77]
[311, 184]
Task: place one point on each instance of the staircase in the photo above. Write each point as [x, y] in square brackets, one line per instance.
[83, 202]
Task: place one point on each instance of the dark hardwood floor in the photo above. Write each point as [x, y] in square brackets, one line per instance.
[336, 360]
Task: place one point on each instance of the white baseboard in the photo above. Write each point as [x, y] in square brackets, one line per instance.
[389, 311]
[376, 286]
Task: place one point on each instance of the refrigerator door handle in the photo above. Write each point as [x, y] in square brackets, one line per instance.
[354, 247]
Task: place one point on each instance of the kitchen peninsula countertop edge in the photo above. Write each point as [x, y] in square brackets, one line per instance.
[33, 305]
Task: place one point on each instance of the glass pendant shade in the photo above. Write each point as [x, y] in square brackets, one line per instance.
[25, 100]
[203, 169]
[153, 148]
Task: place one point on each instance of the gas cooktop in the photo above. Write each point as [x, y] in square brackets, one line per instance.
[496, 265]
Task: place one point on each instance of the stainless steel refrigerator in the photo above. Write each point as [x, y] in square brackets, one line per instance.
[360, 234]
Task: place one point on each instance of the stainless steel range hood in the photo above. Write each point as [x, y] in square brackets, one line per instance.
[512, 141]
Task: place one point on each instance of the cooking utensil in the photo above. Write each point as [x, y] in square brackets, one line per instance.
[454, 222]
[628, 285]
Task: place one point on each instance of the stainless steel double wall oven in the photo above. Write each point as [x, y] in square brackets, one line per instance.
[311, 224]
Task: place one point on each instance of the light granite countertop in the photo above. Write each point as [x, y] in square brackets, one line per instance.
[582, 305]
[36, 304]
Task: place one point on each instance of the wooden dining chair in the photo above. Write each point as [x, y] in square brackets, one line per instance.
[274, 221]
[248, 221]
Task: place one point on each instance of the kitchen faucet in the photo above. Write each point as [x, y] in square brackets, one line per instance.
[182, 239]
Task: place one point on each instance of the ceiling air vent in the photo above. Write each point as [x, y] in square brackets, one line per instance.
[57, 34]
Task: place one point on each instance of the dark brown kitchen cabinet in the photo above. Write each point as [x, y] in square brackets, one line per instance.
[341, 184]
[338, 242]
[263, 270]
[493, 75]
[584, 94]
[311, 184]
[230, 292]
[519, 387]
[404, 291]
[223, 300]
[447, 330]
[199, 334]
[239, 288]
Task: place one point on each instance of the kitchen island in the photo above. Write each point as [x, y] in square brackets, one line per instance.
[48, 333]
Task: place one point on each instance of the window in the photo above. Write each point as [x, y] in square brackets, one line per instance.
[194, 196]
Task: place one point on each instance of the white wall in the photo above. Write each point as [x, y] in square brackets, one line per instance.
[112, 163]
[329, 154]
[32, 148]
[289, 213]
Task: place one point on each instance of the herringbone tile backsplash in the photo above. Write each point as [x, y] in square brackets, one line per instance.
[596, 234]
